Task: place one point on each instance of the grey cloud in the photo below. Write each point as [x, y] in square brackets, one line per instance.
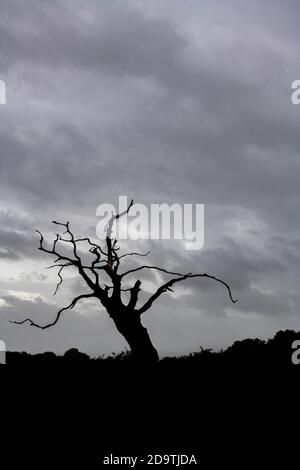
[9, 254]
[33, 276]
[17, 245]
[141, 43]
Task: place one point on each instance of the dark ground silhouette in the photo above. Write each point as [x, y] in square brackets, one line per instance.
[247, 355]
[229, 408]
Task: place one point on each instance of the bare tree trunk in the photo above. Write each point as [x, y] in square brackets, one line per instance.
[130, 326]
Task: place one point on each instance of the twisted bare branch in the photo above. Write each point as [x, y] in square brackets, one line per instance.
[152, 267]
[112, 249]
[134, 254]
[70, 306]
[115, 217]
[167, 287]
[62, 266]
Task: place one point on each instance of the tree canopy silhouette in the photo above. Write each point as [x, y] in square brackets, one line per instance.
[106, 263]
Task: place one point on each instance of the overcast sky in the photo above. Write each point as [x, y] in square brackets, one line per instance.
[162, 101]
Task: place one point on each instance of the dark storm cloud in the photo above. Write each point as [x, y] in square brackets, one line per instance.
[14, 245]
[117, 37]
[165, 102]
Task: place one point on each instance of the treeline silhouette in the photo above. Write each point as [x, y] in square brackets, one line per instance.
[247, 354]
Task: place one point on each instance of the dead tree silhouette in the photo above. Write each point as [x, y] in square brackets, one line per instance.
[126, 316]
